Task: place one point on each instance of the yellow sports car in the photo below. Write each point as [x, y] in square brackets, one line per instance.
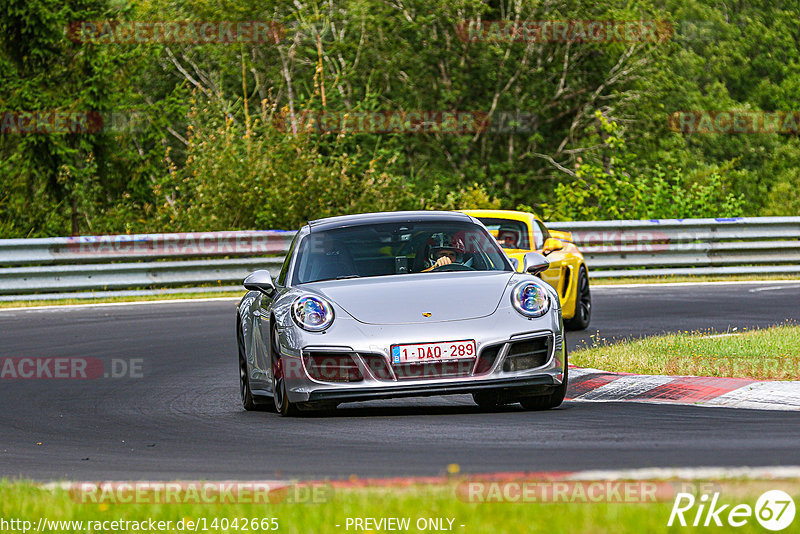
[519, 232]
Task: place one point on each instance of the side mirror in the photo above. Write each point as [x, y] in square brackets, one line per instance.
[515, 263]
[535, 263]
[551, 245]
[260, 280]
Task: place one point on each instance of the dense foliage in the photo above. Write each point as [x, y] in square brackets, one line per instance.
[203, 137]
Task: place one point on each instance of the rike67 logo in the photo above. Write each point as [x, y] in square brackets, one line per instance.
[774, 510]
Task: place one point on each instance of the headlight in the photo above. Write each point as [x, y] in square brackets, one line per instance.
[530, 299]
[312, 313]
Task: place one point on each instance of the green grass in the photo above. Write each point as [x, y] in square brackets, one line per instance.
[769, 354]
[29, 502]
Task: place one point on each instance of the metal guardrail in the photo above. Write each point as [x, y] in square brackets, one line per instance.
[694, 247]
[100, 263]
[625, 249]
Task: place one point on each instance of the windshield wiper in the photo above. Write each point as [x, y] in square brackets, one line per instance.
[345, 277]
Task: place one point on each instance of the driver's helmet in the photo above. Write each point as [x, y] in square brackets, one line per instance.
[508, 239]
[439, 243]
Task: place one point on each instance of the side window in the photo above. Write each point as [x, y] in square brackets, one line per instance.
[542, 234]
[281, 281]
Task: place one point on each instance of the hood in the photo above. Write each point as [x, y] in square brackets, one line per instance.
[447, 296]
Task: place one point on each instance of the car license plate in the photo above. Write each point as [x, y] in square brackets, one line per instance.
[426, 352]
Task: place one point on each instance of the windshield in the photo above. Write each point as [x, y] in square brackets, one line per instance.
[510, 234]
[397, 249]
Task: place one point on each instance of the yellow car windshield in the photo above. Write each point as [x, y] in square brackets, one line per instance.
[510, 234]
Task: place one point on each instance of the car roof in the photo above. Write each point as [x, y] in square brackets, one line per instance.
[502, 214]
[385, 217]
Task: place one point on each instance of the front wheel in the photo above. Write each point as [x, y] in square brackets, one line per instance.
[552, 400]
[282, 404]
[249, 401]
[488, 400]
[583, 303]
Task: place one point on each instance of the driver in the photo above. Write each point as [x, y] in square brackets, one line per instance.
[507, 239]
[443, 250]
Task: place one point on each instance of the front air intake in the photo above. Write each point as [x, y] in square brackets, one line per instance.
[528, 354]
[487, 358]
[378, 365]
[332, 367]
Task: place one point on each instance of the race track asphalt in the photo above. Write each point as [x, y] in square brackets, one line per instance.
[182, 418]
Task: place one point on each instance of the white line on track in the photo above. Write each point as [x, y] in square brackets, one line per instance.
[103, 304]
[688, 473]
[684, 284]
[757, 289]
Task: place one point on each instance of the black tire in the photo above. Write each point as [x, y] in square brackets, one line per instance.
[249, 401]
[283, 405]
[487, 400]
[552, 400]
[583, 303]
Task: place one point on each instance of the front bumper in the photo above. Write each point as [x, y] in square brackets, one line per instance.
[541, 384]
[537, 380]
[505, 327]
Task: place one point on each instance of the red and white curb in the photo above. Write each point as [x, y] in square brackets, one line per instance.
[788, 472]
[595, 385]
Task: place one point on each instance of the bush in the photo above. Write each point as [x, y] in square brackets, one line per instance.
[610, 192]
[244, 174]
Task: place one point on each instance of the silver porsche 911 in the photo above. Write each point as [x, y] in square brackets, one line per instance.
[399, 304]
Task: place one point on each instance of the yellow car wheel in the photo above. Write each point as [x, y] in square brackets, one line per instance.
[583, 303]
